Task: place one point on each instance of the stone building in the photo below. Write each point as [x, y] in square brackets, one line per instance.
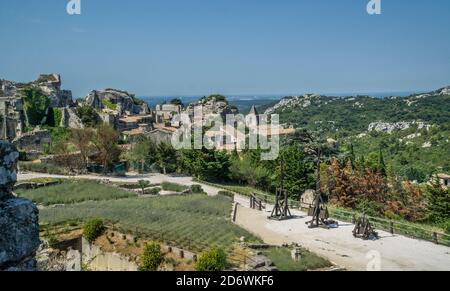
[444, 179]
[162, 134]
[12, 118]
[164, 114]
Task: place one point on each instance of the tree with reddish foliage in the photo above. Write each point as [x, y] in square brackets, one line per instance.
[343, 192]
[406, 201]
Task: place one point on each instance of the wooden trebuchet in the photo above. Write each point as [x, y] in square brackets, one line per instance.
[363, 229]
[281, 208]
[320, 214]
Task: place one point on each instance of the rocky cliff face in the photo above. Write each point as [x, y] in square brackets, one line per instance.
[50, 84]
[211, 106]
[19, 227]
[116, 100]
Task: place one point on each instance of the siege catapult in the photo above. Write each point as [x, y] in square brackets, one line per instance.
[363, 229]
[281, 210]
[320, 215]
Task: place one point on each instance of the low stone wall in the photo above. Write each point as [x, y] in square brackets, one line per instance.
[98, 260]
[36, 140]
[180, 253]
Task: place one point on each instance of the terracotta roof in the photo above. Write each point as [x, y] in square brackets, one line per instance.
[133, 132]
[166, 128]
[134, 118]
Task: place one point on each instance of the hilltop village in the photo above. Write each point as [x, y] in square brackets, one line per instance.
[123, 111]
[108, 187]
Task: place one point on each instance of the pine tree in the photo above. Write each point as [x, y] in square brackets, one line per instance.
[438, 202]
[352, 156]
[381, 164]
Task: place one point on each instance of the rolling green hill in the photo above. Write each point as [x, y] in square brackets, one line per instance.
[412, 132]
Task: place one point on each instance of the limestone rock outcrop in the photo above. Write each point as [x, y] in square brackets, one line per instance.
[213, 105]
[19, 228]
[70, 118]
[50, 84]
[117, 100]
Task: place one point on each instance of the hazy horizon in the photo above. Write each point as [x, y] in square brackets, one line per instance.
[232, 47]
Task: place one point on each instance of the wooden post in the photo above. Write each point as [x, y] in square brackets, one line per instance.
[391, 223]
[435, 238]
[235, 211]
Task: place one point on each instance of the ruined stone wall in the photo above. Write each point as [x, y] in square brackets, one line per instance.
[70, 119]
[36, 140]
[19, 228]
[12, 118]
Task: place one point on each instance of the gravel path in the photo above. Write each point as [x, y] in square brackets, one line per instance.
[396, 253]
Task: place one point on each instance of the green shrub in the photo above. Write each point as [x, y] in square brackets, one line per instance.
[196, 189]
[226, 193]
[54, 117]
[108, 104]
[93, 229]
[52, 241]
[446, 226]
[88, 115]
[370, 208]
[35, 104]
[153, 191]
[57, 113]
[151, 258]
[167, 186]
[143, 184]
[41, 168]
[214, 259]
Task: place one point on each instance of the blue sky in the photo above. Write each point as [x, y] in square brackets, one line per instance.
[190, 47]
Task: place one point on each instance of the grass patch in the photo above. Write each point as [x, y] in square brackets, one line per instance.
[42, 168]
[194, 222]
[282, 259]
[43, 180]
[167, 186]
[73, 191]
